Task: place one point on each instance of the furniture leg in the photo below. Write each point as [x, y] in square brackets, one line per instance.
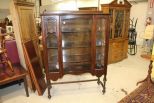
[103, 85]
[148, 78]
[8, 62]
[49, 87]
[10, 65]
[26, 87]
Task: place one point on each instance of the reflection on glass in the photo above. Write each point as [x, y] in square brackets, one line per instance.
[119, 19]
[100, 43]
[76, 42]
[111, 21]
[53, 67]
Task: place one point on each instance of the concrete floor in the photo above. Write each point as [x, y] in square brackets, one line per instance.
[122, 75]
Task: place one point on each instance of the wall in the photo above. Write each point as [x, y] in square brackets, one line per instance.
[70, 4]
[139, 10]
[4, 8]
[150, 12]
[4, 13]
[4, 4]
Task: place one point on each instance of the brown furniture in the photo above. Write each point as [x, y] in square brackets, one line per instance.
[4, 60]
[19, 74]
[22, 12]
[34, 67]
[88, 9]
[75, 42]
[119, 25]
[148, 79]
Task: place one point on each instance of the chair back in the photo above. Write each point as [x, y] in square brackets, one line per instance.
[2, 41]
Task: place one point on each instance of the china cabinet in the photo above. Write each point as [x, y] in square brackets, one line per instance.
[119, 25]
[75, 42]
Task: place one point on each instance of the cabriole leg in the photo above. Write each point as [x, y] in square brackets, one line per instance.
[104, 86]
[49, 87]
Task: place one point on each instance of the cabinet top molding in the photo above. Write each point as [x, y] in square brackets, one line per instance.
[23, 3]
[72, 13]
[116, 4]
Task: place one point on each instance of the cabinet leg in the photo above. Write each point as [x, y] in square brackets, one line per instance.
[102, 84]
[26, 87]
[49, 87]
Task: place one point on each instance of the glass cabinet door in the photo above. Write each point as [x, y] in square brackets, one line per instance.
[119, 22]
[100, 42]
[52, 43]
[76, 42]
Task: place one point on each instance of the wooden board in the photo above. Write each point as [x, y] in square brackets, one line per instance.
[34, 67]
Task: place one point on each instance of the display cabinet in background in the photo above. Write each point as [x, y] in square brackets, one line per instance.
[119, 25]
[75, 42]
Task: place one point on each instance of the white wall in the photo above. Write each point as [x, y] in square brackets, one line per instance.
[4, 8]
[150, 12]
[4, 4]
[139, 10]
[70, 4]
[4, 13]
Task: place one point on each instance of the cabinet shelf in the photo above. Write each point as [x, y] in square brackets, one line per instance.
[76, 58]
[76, 47]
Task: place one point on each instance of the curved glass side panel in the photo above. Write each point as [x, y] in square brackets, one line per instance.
[52, 43]
[100, 42]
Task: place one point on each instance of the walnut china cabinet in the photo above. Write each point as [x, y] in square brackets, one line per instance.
[119, 25]
[75, 42]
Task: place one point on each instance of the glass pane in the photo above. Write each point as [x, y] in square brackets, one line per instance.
[119, 20]
[53, 60]
[111, 23]
[52, 43]
[76, 42]
[51, 36]
[100, 43]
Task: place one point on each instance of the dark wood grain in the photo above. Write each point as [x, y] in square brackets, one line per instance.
[34, 67]
[6, 76]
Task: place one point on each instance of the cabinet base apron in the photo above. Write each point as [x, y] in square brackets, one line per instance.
[99, 82]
